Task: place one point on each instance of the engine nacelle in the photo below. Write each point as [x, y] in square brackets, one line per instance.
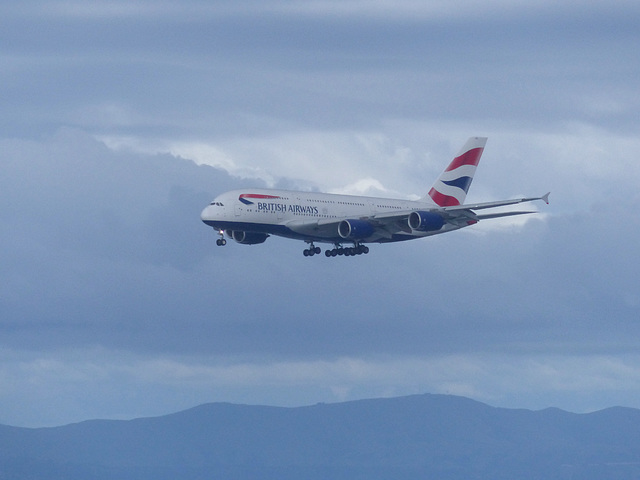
[355, 229]
[425, 221]
[248, 238]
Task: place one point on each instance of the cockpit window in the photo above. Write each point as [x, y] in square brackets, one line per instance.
[217, 204]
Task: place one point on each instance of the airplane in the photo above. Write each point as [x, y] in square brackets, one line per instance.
[250, 216]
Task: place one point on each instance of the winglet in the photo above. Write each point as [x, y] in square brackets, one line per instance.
[545, 197]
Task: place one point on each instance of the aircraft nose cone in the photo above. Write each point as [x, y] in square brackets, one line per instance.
[206, 213]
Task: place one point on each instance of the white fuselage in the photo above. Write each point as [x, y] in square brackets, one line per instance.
[307, 215]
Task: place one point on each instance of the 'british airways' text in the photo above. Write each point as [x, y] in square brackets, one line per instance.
[283, 207]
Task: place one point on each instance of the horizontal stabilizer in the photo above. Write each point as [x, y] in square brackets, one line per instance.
[501, 214]
[499, 203]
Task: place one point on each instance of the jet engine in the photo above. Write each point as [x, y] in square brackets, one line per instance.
[425, 221]
[355, 229]
[248, 238]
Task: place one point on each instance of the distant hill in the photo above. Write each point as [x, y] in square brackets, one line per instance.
[422, 436]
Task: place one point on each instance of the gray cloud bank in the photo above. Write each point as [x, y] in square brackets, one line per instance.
[104, 252]
[106, 248]
[220, 72]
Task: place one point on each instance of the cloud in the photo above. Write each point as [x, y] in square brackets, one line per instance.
[124, 262]
[106, 254]
[580, 164]
[206, 76]
[404, 9]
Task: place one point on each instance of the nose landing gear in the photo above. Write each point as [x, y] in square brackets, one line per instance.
[221, 242]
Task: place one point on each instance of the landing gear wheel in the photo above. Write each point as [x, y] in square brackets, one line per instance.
[357, 249]
[221, 242]
[312, 250]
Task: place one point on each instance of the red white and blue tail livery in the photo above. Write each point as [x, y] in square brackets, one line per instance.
[350, 222]
[452, 186]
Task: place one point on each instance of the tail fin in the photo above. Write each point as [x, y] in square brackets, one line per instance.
[452, 186]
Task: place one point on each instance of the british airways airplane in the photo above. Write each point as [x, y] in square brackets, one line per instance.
[250, 216]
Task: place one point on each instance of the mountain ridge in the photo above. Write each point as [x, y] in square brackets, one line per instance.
[446, 436]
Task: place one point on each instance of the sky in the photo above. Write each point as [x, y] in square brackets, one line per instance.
[120, 121]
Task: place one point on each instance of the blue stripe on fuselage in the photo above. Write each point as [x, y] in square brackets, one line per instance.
[283, 231]
[274, 229]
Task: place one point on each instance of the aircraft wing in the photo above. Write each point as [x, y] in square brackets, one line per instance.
[328, 228]
[398, 222]
[385, 225]
[389, 223]
[392, 222]
[315, 228]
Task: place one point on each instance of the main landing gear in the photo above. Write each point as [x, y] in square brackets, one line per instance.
[357, 249]
[221, 242]
[339, 250]
[312, 250]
